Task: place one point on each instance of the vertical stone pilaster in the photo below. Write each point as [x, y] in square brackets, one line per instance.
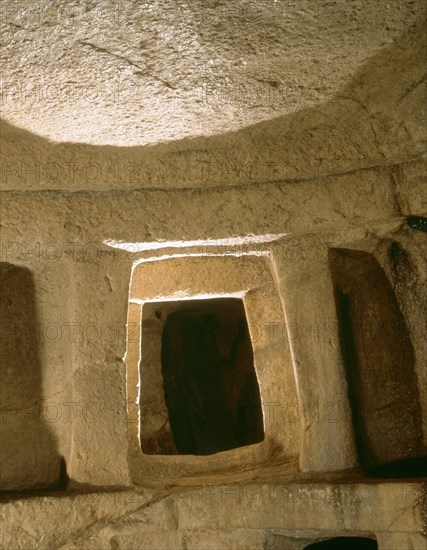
[99, 374]
[307, 295]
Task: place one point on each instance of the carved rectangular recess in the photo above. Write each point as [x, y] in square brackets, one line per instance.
[221, 309]
[29, 457]
[379, 363]
[200, 393]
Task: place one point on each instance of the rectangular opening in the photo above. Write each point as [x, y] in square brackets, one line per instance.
[199, 393]
[29, 457]
[378, 359]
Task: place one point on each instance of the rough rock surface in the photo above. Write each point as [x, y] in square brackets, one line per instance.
[163, 151]
[131, 73]
[259, 516]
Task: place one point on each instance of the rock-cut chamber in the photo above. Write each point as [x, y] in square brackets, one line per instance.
[208, 397]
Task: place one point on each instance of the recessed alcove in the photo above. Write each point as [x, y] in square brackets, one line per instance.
[202, 393]
[379, 362]
[174, 176]
[29, 457]
[216, 313]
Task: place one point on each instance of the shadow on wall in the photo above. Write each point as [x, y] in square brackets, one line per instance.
[29, 457]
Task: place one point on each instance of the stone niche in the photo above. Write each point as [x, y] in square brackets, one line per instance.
[380, 365]
[29, 455]
[200, 393]
[217, 311]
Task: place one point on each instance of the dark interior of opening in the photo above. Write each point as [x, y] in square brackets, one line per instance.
[379, 363]
[345, 543]
[406, 468]
[209, 380]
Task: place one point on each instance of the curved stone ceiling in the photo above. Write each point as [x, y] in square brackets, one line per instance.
[134, 73]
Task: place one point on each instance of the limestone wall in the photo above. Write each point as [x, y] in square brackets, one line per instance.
[305, 218]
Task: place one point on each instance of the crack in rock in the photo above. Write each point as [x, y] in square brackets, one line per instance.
[139, 71]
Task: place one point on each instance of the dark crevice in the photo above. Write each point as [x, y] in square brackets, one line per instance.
[345, 543]
[64, 479]
[417, 222]
[350, 364]
[404, 469]
[402, 271]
